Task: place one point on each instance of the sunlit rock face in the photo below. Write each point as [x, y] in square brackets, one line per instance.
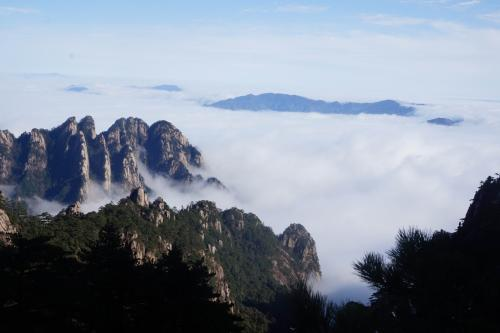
[7, 228]
[299, 243]
[61, 163]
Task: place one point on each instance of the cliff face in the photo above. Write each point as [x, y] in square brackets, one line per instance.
[60, 164]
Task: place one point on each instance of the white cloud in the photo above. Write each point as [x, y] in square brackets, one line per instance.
[445, 3]
[493, 17]
[393, 21]
[17, 10]
[467, 3]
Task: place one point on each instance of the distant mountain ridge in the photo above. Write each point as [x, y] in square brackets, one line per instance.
[294, 103]
[59, 164]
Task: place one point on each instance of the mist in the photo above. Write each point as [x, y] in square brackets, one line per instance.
[352, 181]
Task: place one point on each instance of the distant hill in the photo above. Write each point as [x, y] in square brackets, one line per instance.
[445, 121]
[166, 87]
[294, 103]
[77, 89]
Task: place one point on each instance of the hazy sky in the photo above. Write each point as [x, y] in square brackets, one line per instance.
[413, 49]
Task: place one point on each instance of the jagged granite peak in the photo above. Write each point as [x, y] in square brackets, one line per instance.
[69, 127]
[301, 245]
[170, 153]
[87, 126]
[126, 132]
[61, 163]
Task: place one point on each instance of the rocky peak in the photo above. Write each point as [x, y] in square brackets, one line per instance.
[298, 242]
[87, 126]
[129, 131]
[166, 144]
[139, 197]
[59, 164]
[69, 127]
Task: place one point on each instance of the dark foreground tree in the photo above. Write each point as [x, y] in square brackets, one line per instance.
[302, 310]
[440, 283]
[42, 289]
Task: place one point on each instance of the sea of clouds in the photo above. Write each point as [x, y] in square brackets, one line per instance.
[352, 181]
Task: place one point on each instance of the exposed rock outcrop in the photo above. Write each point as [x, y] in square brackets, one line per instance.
[72, 210]
[7, 229]
[60, 164]
[6, 226]
[139, 197]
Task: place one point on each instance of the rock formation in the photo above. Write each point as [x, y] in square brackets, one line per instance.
[139, 197]
[299, 243]
[7, 229]
[59, 164]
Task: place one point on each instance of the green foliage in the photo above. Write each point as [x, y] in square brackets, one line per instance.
[246, 253]
[43, 289]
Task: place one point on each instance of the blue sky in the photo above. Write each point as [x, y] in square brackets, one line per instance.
[406, 49]
[348, 13]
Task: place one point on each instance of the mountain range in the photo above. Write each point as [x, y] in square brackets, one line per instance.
[294, 103]
[60, 163]
[250, 264]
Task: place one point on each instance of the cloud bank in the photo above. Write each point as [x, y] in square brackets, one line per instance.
[353, 181]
